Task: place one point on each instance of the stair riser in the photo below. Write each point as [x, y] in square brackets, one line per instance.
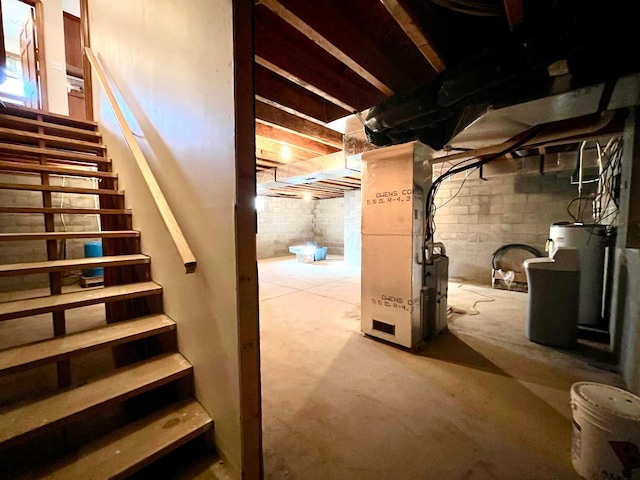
[107, 377]
[36, 139]
[112, 235]
[65, 211]
[31, 125]
[169, 448]
[65, 190]
[18, 167]
[18, 269]
[95, 412]
[27, 312]
[39, 353]
[49, 118]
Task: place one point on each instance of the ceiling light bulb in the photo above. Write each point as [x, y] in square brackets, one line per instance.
[307, 197]
[286, 152]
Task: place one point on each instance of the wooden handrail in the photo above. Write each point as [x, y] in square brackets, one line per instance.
[170, 222]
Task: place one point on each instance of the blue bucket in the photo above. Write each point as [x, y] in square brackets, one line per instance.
[93, 249]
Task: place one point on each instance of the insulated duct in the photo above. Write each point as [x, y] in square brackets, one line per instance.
[589, 37]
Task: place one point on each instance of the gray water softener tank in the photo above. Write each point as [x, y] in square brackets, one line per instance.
[554, 287]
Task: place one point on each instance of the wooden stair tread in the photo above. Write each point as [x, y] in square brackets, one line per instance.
[64, 301]
[69, 235]
[20, 421]
[67, 211]
[16, 359]
[136, 445]
[26, 268]
[53, 153]
[71, 132]
[60, 189]
[56, 170]
[54, 118]
[51, 140]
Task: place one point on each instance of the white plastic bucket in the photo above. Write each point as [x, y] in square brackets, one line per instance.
[606, 432]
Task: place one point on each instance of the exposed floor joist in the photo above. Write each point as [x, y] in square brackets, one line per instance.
[415, 32]
[514, 11]
[326, 91]
[320, 40]
[290, 97]
[294, 140]
[274, 117]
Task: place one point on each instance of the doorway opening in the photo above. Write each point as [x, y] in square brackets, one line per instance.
[22, 84]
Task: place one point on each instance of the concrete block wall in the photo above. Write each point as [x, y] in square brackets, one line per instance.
[328, 224]
[352, 226]
[290, 221]
[34, 251]
[485, 215]
[283, 222]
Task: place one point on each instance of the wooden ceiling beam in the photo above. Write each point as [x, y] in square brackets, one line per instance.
[287, 52]
[341, 183]
[514, 11]
[287, 138]
[275, 89]
[273, 157]
[302, 190]
[267, 148]
[275, 117]
[415, 32]
[324, 89]
[265, 163]
[276, 7]
[289, 110]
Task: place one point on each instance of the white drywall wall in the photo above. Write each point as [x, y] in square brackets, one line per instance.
[55, 57]
[173, 64]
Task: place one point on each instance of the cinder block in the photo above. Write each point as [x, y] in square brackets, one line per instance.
[540, 198]
[470, 200]
[481, 190]
[512, 218]
[502, 189]
[479, 209]
[498, 209]
[459, 210]
[446, 219]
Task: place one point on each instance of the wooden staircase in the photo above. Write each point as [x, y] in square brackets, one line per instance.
[91, 383]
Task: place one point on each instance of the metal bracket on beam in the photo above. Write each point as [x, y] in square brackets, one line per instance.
[481, 174]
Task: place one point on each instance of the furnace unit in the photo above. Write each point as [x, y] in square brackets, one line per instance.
[404, 289]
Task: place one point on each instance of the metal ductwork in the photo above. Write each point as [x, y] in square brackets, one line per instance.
[327, 167]
[580, 48]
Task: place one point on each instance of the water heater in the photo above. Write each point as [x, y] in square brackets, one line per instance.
[591, 242]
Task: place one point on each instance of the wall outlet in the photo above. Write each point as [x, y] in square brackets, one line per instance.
[56, 65]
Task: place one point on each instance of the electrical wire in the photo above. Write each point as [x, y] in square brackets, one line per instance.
[473, 310]
[478, 9]
[469, 172]
[430, 207]
[606, 179]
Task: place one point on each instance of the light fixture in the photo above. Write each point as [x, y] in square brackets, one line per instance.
[307, 197]
[285, 153]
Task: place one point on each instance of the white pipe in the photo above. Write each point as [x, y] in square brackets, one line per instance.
[582, 145]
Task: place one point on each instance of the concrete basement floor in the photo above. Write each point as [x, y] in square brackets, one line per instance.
[478, 402]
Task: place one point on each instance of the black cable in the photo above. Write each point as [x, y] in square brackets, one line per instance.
[500, 251]
[455, 194]
[452, 171]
